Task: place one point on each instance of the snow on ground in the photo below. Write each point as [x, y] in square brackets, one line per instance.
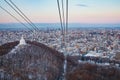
[99, 64]
[93, 54]
[21, 43]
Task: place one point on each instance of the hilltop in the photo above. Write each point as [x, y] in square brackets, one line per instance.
[37, 61]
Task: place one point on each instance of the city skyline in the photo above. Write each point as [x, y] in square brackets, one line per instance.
[80, 11]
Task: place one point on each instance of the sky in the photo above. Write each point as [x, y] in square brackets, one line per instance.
[80, 11]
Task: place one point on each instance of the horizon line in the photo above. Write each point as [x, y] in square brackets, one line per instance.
[55, 23]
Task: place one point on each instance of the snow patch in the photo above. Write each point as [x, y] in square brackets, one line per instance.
[93, 54]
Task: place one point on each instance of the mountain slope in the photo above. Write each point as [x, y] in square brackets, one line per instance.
[32, 62]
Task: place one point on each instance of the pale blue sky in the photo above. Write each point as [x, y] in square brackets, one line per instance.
[80, 11]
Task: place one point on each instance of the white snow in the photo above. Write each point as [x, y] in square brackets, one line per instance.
[65, 66]
[100, 64]
[93, 54]
[22, 42]
[107, 64]
[13, 50]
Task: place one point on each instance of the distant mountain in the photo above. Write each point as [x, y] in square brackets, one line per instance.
[44, 26]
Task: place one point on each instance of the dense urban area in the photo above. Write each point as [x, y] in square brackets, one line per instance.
[92, 54]
[98, 43]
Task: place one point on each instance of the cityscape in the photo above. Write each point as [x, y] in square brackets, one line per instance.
[100, 43]
[75, 41]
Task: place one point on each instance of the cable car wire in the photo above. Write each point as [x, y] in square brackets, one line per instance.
[63, 15]
[20, 15]
[23, 14]
[15, 18]
[61, 22]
